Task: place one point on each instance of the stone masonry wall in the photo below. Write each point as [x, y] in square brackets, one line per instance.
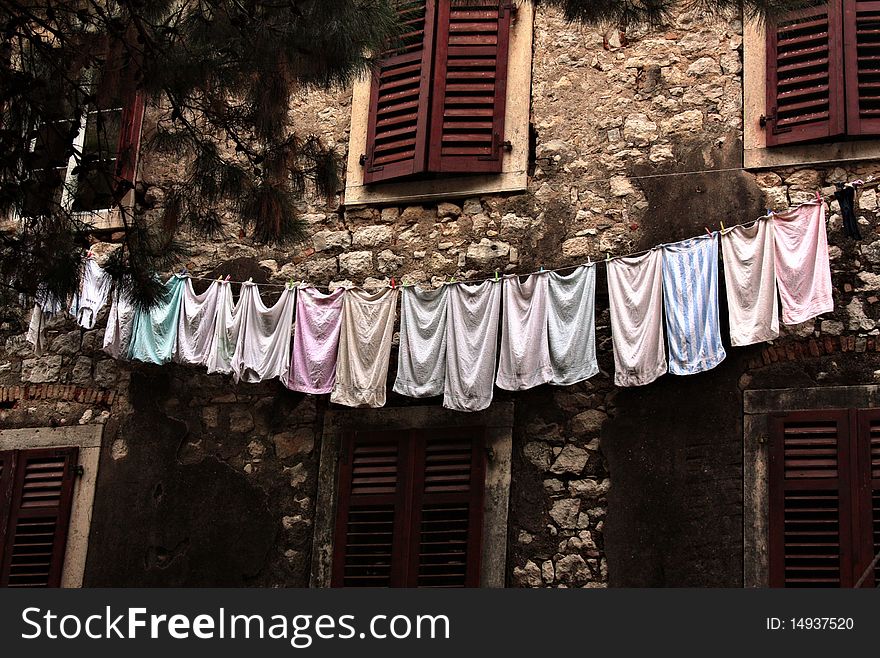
[204, 482]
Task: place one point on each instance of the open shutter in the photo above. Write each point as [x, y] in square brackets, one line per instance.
[811, 534]
[861, 30]
[397, 129]
[470, 86]
[448, 509]
[869, 493]
[805, 80]
[40, 512]
[372, 513]
[129, 142]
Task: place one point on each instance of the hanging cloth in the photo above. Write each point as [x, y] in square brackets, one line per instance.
[690, 295]
[635, 294]
[93, 292]
[227, 322]
[421, 360]
[846, 197]
[571, 321]
[45, 307]
[120, 323]
[471, 345]
[750, 279]
[803, 271]
[315, 341]
[525, 351]
[364, 347]
[195, 329]
[262, 351]
[154, 337]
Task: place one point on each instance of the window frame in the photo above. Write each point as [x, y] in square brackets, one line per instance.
[513, 176]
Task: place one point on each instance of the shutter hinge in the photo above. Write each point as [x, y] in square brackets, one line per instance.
[497, 145]
[79, 471]
[765, 119]
[363, 158]
[490, 454]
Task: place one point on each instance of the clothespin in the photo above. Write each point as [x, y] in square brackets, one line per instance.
[608, 257]
[451, 279]
[708, 232]
[589, 261]
[182, 272]
[393, 284]
[250, 279]
[496, 275]
[228, 276]
[818, 196]
[541, 270]
[769, 212]
[722, 226]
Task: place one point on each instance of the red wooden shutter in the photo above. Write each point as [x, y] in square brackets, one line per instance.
[6, 461]
[805, 80]
[40, 512]
[397, 129]
[811, 535]
[861, 29]
[372, 512]
[129, 142]
[470, 86]
[869, 493]
[448, 509]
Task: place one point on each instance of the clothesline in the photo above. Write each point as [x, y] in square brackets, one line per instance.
[498, 274]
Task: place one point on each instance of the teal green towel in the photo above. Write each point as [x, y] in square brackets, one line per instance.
[154, 338]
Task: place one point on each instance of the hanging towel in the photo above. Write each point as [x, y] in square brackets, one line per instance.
[525, 350]
[364, 347]
[571, 320]
[262, 351]
[227, 321]
[421, 360]
[195, 329]
[120, 322]
[471, 344]
[690, 295]
[45, 306]
[635, 294]
[315, 341]
[154, 337]
[803, 271]
[93, 292]
[750, 279]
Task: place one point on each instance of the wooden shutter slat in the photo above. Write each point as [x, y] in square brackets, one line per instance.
[472, 44]
[397, 127]
[861, 54]
[868, 507]
[38, 517]
[805, 76]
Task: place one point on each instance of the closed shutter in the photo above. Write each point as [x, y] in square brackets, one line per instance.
[6, 459]
[869, 485]
[805, 79]
[448, 511]
[410, 509]
[862, 57]
[470, 86]
[41, 498]
[811, 541]
[372, 511]
[397, 130]
[129, 143]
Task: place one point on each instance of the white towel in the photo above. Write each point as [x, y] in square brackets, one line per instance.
[45, 307]
[92, 295]
[803, 271]
[364, 347]
[262, 351]
[525, 352]
[472, 342]
[572, 325]
[315, 341]
[750, 279]
[635, 293]
[120, 322]
[227, 323]
[421, 361]
[195, 327]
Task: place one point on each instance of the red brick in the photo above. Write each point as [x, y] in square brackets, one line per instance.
[829, 345]
[790, 353]
[111, 395]
[851, 343]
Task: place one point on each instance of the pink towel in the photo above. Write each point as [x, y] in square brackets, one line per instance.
[803, 272]
[315, 341]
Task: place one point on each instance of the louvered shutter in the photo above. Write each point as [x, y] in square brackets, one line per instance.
[811, 534]
[372, 512]
[861, 30]
[129, 142]
[36, 537]
[448, 510]
[6, 461]
[869, 494]
[397, 129]
[805, 80]
[470, 86]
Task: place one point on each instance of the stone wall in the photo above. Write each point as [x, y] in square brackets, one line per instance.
[206, 482]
